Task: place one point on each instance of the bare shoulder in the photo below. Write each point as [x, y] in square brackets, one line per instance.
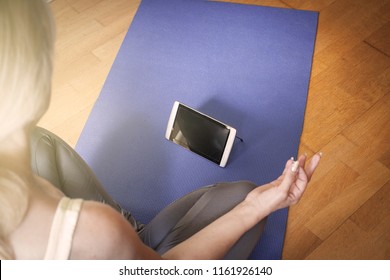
[102, 233]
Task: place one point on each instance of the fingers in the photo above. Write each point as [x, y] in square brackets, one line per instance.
[290, 174]
[312, 165]
[302, 180]
[302, 160]
[287, 166]
[292, 167]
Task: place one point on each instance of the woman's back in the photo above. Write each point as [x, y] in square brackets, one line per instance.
[100, 232]
[29, 239]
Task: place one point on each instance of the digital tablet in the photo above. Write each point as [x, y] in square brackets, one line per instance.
[200, 133]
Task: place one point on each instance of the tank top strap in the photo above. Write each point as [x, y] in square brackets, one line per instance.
[64, 224]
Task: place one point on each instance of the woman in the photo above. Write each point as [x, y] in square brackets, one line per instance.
[39, 222]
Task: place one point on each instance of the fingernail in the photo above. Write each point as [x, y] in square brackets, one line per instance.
[320, 153]
[292, 158]
[305, 154]
[295, 166]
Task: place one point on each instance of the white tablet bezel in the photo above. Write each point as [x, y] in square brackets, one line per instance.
[229, 142]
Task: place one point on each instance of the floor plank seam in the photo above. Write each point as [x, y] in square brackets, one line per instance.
[375, 48]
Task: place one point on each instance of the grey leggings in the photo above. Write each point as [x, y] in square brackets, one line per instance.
[57, 162]
[194, 211]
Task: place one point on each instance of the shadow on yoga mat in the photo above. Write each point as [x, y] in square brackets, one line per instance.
[248, 66]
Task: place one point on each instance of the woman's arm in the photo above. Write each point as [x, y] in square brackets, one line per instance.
[215, 240]
[104, 234]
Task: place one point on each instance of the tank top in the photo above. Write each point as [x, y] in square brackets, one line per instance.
[62, 229]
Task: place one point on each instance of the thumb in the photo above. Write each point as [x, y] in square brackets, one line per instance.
[290, 175]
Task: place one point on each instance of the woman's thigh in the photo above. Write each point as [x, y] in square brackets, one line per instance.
[191, 213]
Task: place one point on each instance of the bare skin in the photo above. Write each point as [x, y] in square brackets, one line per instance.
[114, 238]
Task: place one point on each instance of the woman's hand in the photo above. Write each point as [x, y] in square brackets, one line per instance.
[287, 189]
[215, 240]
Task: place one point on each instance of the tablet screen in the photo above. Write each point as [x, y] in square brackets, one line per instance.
[199, 133]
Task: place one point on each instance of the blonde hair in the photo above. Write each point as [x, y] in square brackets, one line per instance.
[13, 205]
[26, 43]
[26, 46]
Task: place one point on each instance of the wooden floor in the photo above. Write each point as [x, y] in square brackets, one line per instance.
[345, 213]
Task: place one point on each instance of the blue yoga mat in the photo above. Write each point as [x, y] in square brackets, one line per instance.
[248, 66]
